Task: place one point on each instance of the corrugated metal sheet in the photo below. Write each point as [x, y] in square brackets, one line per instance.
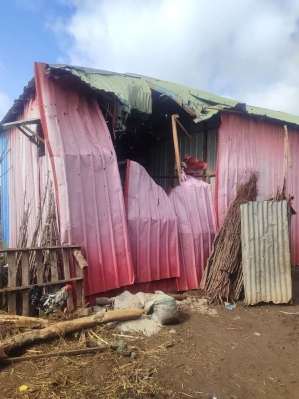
[192, 202]
[266, 252]
[4, 152]
[27, 175]
[201, 104]
[159, 163]
[152, 226]
[132, 92]
[87, 182]
[246, 144]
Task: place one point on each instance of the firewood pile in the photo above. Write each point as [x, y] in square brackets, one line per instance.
[223, 277]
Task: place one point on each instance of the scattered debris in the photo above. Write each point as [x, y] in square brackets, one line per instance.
[23, 388]
[229, 306]
[200, 305]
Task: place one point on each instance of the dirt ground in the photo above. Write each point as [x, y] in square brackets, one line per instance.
[246, 353]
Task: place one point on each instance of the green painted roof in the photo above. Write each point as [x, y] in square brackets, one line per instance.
[134, 93]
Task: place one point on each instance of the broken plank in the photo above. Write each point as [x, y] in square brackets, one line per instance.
[82, 262]
[12, 280]
[25, 281]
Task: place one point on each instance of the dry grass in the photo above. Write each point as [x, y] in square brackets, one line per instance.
[113, 374]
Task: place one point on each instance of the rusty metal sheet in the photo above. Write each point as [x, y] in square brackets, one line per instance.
[266, 252]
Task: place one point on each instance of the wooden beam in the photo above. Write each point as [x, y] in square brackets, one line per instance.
[176, 146]
[27, 287]
[27, 135]
[10, 125]
[39, 248]
[184, 130]
[33, 133]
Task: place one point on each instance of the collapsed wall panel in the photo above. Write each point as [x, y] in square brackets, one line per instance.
[152, 226]
[192, 203]
[89, 194]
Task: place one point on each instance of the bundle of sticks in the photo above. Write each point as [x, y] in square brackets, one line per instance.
[223, 277]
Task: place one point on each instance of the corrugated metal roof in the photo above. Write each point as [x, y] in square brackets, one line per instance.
[266, 252]
[134, 90]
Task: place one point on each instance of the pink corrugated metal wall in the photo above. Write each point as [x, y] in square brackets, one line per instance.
[246, 144]
[28, 174]
[87, 182]
[193, 205]
[152, 226]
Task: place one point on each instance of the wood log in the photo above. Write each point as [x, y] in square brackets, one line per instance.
[23, 321]
[65, 327]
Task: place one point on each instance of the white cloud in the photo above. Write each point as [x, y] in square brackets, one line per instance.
[5, 104]
[245, 49]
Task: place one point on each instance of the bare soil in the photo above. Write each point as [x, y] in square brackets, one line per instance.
[246, 353]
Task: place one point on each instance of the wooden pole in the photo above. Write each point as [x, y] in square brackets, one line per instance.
[65, 327]
[75, 352]
[176, 145]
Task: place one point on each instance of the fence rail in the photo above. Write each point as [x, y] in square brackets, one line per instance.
[49, 267]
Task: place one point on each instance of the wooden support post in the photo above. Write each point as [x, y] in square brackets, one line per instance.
[39, 273]
[12, 280]
[176, 145]
[79, 285]
[54, 268]
[25, 281]
[67, 275]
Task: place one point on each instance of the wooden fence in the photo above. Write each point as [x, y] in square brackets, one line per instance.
[49, 267]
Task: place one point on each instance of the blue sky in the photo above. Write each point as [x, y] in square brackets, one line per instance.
[25, 37]
[247, 50]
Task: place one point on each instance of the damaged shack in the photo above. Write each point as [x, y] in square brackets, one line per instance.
[93, 158]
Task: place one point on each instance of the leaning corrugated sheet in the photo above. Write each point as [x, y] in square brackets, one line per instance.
[266, 252]
[88, 188]
[246, 144]
[192, 203]
[152, 227]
